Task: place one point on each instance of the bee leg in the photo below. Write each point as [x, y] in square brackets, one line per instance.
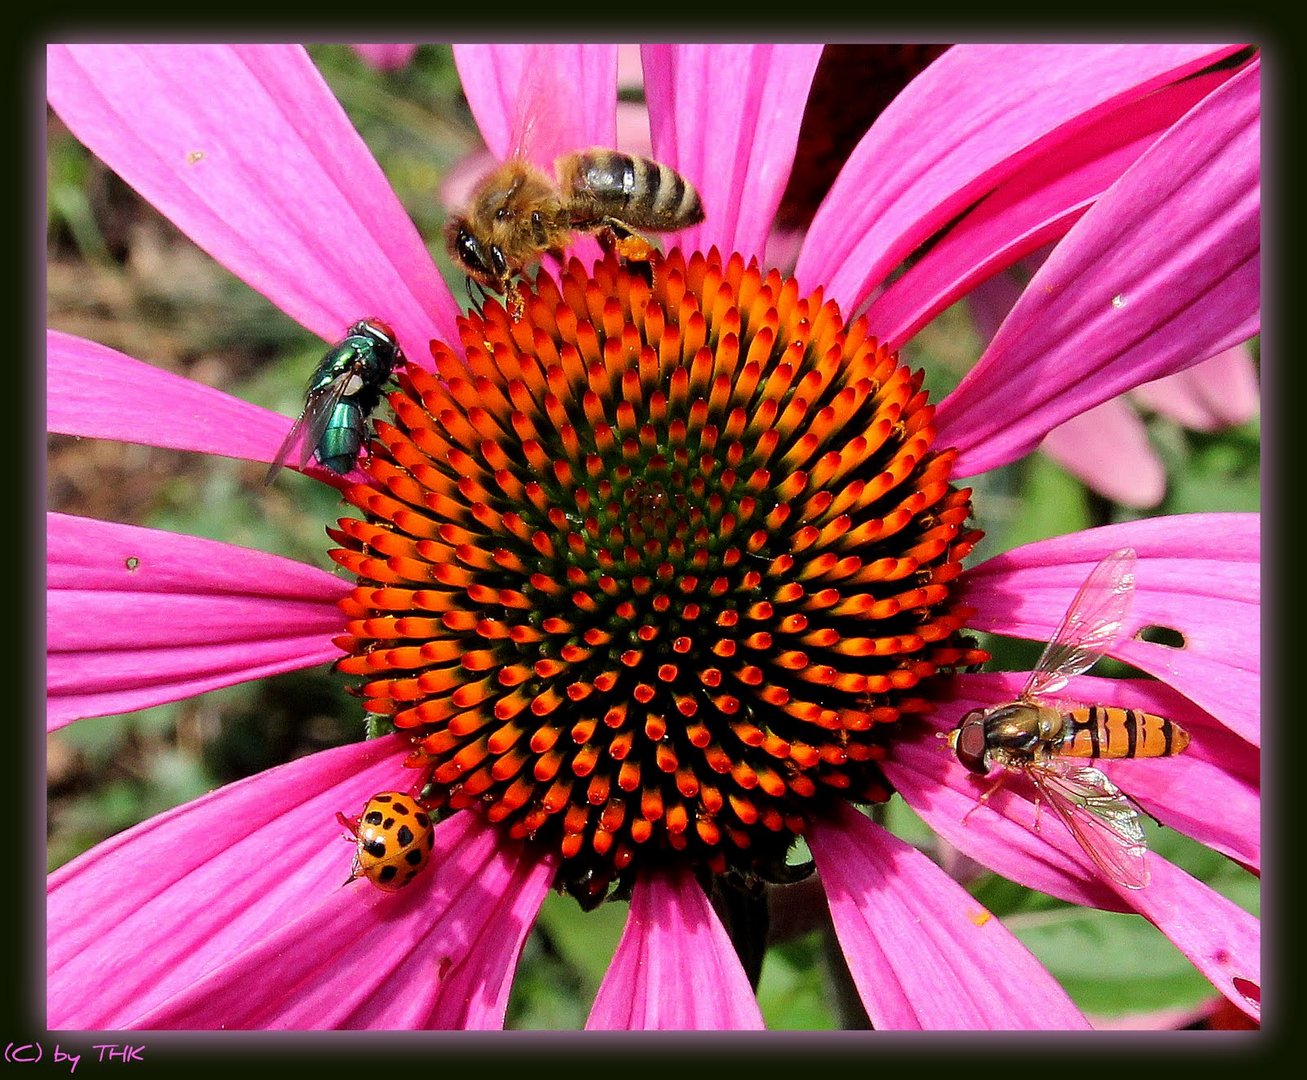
[476, 303]
[513, 301]
[635, 250]
[538, 233]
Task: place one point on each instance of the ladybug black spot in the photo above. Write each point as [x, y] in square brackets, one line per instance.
[401, 809]
[389, 823]
[413, 858]
[376, 848]
[373, 818]
[382, 798]
[422, 820]
[404, 836]
[387, 873]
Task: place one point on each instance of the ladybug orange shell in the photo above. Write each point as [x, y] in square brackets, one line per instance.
[395, 837]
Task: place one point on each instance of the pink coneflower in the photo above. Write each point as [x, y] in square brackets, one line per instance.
[665, 573]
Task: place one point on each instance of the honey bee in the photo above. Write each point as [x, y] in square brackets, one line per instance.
[518, 213]
[1042, 740]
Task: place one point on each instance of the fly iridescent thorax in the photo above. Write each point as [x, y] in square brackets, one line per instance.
[345, 388]
[1041, 741]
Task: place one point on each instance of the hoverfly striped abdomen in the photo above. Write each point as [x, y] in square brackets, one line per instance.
[1106, 731]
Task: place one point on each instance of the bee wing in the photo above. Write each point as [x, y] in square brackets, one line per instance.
[1091, 624]
[309, 426]
[1098, 815]
[541, 94]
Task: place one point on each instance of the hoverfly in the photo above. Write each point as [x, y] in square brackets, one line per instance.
[1042, 740]
[344, 390]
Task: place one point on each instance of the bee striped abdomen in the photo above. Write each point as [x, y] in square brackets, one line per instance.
[635, 190]
[1106, 731]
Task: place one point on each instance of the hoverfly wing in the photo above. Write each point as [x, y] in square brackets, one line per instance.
[307, 431]
[1098, 815]
[1091, 624]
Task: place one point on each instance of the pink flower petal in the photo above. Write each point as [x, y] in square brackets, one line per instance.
[541, 100]
[440, 954]
[923, 953]
[1038, 204]
[1008, 835]
[727, 117]
[1161, 273]
[244, 148]
[1108, 448]
[1217, 769]
[94, 392]
[1198, 574]
[965, 124]
[151, 910]
[229, 912]
[675, 968]
[385, 57]
[138, 617]
[1211, 396]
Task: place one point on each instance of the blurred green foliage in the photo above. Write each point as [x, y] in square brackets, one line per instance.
[109, 773]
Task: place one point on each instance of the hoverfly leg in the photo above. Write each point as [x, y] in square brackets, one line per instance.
[1002, 779]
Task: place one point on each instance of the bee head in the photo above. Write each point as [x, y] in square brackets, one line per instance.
[483, 263]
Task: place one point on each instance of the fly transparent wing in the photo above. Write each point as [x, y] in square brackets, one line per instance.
[1091, 624]
[1098, 815]
[309, 426]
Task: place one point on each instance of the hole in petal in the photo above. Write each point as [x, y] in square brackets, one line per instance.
[1252, 993]
[1161, 635]
[131, 562]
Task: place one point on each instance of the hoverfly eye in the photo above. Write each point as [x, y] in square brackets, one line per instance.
[498, 262]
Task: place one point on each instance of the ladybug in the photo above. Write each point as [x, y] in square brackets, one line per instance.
[395, 837]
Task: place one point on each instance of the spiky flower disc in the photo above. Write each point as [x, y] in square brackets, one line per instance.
[651, 571]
